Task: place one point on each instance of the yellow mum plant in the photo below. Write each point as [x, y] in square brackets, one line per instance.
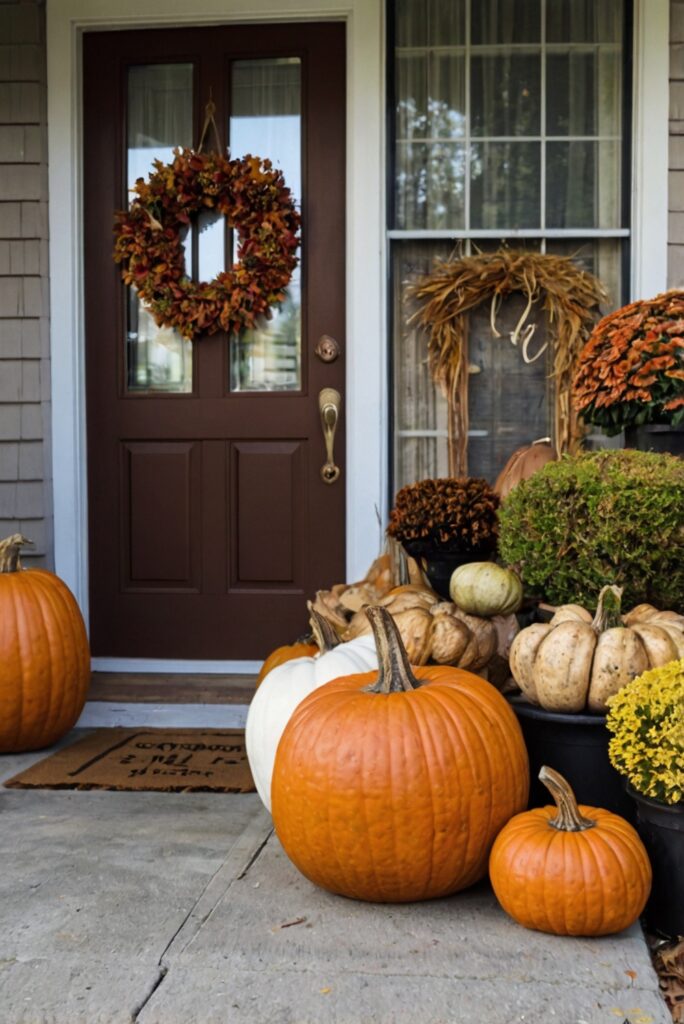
[646, 719]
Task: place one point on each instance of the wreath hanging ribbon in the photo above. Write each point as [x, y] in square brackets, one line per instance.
[252, 195]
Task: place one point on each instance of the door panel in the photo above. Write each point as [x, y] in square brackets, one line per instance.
[268, 485]
[161, 549]
[210, 524]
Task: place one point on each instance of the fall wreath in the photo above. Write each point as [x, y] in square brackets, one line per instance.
[252, 195]
[567, 295]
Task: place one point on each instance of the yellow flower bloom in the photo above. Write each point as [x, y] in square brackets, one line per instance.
[646, 719]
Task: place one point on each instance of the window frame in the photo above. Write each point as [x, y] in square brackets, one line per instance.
[633, 32]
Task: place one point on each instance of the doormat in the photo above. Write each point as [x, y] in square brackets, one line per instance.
[169, 760]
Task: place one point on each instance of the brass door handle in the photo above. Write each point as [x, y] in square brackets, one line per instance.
[329, 404]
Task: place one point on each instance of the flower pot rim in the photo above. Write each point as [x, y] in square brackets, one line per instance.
[528, 710]
[651, 802]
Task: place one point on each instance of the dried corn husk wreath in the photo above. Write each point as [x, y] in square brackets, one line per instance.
[569, 296]
[253, 196]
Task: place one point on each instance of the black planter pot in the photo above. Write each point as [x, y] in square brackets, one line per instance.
[661, 827]
[656, 437]
[577, 747]
[439, 566]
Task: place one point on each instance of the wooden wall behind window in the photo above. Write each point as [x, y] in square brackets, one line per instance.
[25, 490]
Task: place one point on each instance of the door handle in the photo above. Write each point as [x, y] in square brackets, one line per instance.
[329, 404]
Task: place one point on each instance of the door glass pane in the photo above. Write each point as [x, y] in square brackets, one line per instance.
[159, 119]
[265, 120]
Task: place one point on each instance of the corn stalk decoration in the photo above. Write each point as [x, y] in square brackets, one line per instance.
[569, 297]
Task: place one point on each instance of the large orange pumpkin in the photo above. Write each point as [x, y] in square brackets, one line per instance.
[44, 657]
[391, 786]
[570, 870]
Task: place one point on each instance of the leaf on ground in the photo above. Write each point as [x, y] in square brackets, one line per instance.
[669, 963]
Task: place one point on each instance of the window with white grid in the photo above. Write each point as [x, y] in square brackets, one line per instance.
[507, 122]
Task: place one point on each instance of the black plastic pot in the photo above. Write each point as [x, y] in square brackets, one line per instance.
[656, 437]
[577, 747]
[661, 827]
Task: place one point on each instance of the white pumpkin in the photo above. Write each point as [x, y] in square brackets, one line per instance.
[283, 689]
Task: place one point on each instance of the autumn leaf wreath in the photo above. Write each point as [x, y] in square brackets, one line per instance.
[252, 195]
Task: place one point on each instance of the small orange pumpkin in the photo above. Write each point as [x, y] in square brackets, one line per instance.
[391, 786]
[324, 639]
[583, 871]
[44, 656]
[523, 463]
[299, 649]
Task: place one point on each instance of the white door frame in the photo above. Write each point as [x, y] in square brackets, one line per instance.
[366, 390]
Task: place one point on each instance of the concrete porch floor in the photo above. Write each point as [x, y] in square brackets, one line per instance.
[182, 909]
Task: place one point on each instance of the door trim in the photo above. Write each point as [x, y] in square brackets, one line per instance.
[366, 399]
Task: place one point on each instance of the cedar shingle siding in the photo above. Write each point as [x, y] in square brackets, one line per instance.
[25, 491]
[675, 249]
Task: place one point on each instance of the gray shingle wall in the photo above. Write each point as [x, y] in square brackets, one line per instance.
[25, 458]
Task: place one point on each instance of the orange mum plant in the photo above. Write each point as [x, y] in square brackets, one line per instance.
[631, 371]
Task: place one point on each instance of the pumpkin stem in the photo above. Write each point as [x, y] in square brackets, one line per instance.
[323, 633]
[608, 609]
[395, 673]
[10, 549]
[568, 818]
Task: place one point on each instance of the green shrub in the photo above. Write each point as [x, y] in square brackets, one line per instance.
[601, 517]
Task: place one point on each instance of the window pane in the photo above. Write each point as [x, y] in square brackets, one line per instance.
[600, 256]
[583, 184]
[446, 22]
[412, 105]
[265, 120]
[509, 401]
[159, 119]
[505, 95]
[418, 23]
[585, 98]
[419, 406]
[506, 21]
[430, 185]
[584, 21]
[504, 189]
[447, 104]
[410, 23]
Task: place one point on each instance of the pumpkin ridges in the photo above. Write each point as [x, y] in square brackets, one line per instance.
[394, 889]
[42, 596]
[462, 756]
[484, 749]
[28, 639]
[66, 646]
[39, 667]
[12, 669]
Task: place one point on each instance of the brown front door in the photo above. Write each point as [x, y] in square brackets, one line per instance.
[210, 523]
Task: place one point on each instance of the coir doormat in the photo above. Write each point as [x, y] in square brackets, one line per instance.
[172, 760]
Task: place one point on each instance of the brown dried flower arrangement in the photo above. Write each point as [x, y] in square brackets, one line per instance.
[447, 516]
